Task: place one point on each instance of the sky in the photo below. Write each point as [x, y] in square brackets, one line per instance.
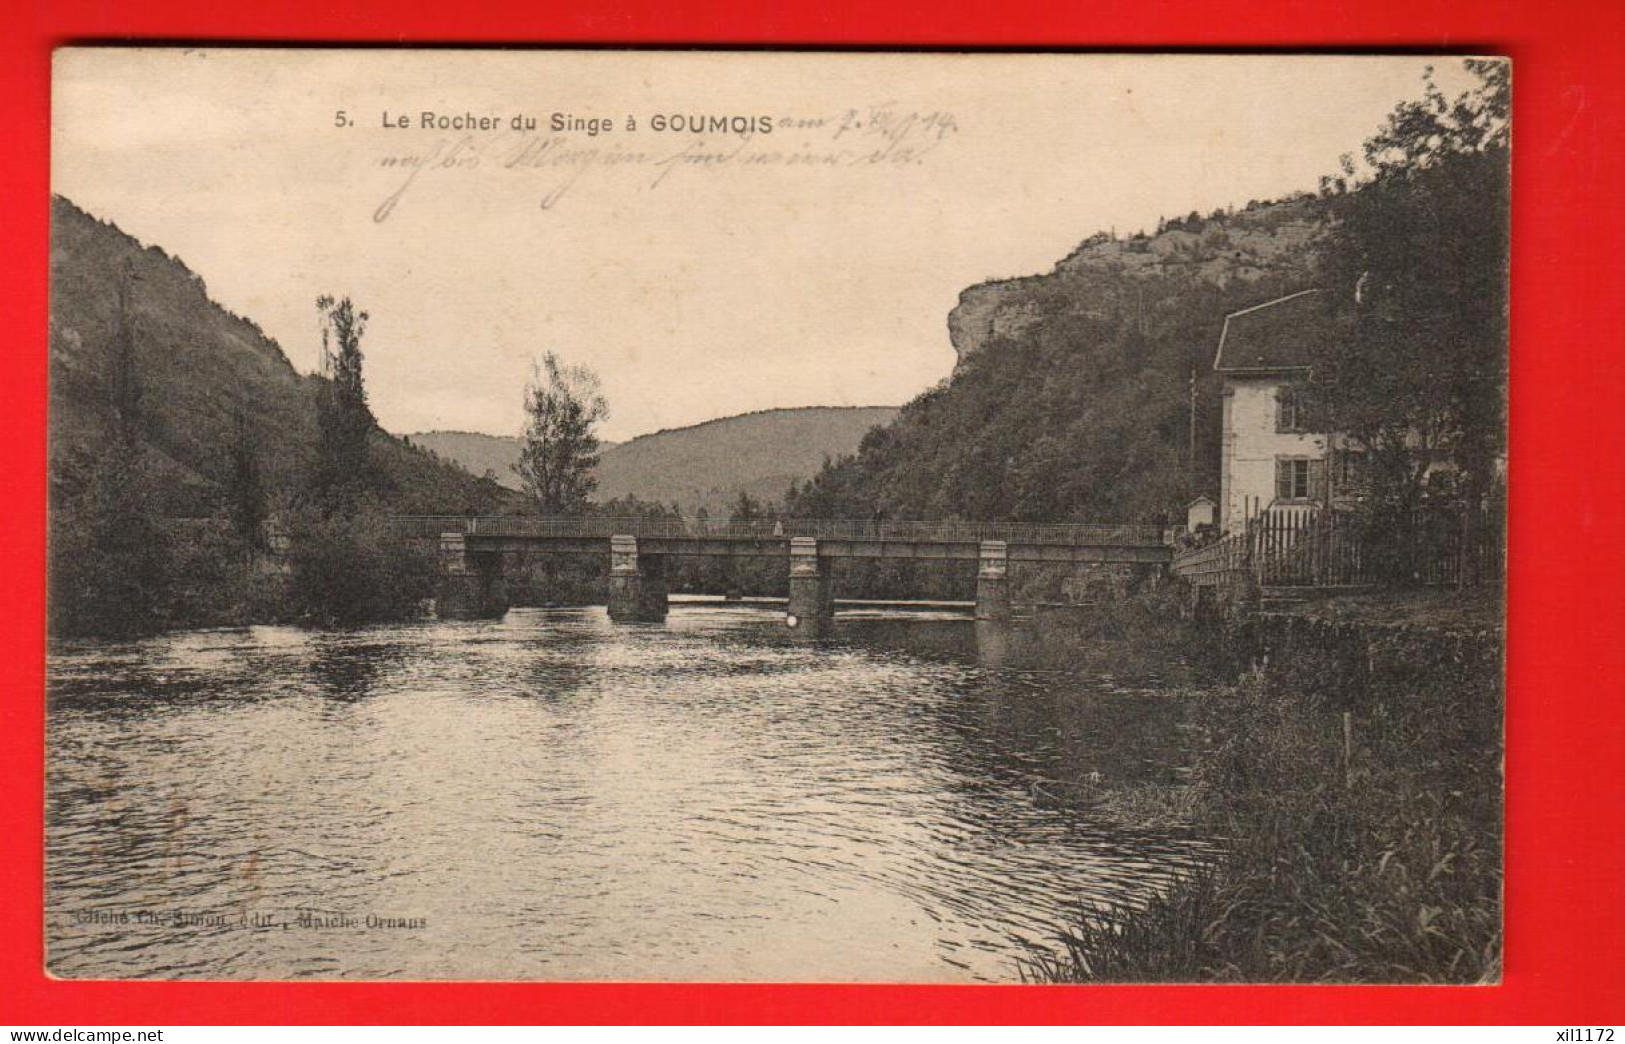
[701, 275]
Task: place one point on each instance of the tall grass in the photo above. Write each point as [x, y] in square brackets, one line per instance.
[1379, 861]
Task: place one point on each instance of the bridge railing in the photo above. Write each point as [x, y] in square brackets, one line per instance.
[781, 529]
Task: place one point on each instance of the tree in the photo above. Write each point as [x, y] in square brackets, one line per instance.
[109, 552]
[345, 420]
[124, 390]
[563, 405]
[347, 564]
[352, 567]
[246, 500]
[1417, 262]
[745, 508]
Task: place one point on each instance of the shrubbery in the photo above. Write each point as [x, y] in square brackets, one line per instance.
[351, 567]
[108, 553]
[118, 569]
[1384, 868]
[217, 580]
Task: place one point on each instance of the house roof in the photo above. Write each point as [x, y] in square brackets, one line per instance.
[1275, 335]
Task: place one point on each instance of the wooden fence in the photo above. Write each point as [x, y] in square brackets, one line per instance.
[1337, 549]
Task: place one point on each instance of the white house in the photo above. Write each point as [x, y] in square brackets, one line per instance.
[1272, 459]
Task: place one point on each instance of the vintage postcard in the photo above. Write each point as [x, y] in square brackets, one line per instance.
[776, 517]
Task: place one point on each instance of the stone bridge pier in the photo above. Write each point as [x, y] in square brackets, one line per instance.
[637, 582]
[811, 611]
[993, 581]
[471, 583]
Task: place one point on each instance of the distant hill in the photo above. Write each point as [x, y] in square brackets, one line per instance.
[474, 452]
[199, 366]
[703, 466]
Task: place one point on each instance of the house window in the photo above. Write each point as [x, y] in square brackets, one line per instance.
[1351, 471]
[1288, 409]
[1292, 479]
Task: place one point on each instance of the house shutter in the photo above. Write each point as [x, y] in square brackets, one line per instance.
[1317, 481]
[1288, 409]
[1283, 480]
[1354, 472]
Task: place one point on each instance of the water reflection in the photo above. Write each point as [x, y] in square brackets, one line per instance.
[552, 796]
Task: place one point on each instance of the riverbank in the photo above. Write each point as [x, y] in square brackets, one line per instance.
[1356, 769]
[1446, 610]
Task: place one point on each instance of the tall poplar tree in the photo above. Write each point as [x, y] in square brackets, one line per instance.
[343, 470]
[348, 564]
[247, 500]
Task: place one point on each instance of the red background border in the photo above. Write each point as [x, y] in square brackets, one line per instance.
[1565, 955]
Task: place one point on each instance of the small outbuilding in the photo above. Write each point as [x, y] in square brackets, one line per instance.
[1202, 512]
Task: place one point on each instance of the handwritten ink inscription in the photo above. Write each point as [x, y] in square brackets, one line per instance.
[561, 151]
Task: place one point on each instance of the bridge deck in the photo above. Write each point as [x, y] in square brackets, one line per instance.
[700, 529]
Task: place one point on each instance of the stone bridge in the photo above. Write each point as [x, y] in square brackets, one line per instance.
[473, 550]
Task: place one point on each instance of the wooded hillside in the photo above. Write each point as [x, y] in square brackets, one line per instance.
[200, 367]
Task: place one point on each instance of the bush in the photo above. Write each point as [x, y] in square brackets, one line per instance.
[215, 580]
[1382, 867]
[108, 554]
[350, 567]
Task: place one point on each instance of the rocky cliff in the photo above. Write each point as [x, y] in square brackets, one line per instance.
[1105, 275]
[1071, 398]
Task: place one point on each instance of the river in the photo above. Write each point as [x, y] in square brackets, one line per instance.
[553, 796]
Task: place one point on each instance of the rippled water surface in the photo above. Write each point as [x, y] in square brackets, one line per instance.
[552, 796]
